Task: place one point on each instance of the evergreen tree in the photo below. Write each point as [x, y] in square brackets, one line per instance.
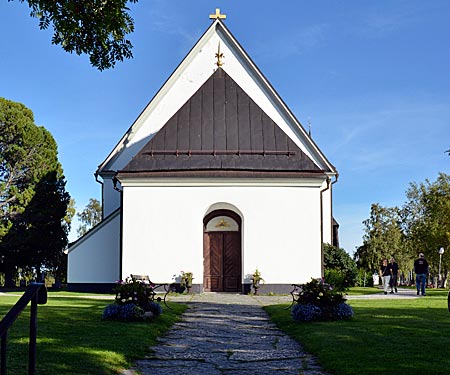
[33, 200]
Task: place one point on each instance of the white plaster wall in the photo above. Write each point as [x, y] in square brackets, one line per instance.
[163, 230]
[96, 257]
[327, 214]
[111, 197]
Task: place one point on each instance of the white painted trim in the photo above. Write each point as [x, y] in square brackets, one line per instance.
[211, 182]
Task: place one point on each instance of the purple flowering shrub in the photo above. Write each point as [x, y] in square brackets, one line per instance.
[320, 301]
[340, 311]
[128, 312]
[155, 308]
[306, 313]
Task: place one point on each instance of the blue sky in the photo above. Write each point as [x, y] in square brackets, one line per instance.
[372, 78]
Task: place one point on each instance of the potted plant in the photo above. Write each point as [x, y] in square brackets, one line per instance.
[186, 280]
[256, 280]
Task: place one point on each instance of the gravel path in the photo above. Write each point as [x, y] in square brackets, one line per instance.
[227, 335]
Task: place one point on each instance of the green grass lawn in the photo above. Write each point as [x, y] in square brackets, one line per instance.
[72, 338]
[386, 336]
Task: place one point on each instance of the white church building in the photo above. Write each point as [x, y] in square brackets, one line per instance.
[216, 177]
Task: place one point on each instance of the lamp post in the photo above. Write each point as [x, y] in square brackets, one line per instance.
[441, 251]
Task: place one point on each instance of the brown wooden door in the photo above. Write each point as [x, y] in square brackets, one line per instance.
[222, 262]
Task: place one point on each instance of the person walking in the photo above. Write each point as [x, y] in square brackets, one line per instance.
[421, 271]
[393, 269]
[385, 275]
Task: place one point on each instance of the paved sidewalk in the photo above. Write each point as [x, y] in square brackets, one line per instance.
[226, 334]
[402, 293]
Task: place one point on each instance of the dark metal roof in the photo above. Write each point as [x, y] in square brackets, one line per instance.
[220, 128]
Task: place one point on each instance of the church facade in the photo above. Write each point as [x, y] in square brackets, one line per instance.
[215, 177]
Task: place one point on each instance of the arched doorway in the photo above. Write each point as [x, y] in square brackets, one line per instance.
[222, 252]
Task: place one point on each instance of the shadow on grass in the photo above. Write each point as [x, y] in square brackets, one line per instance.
[73, 339]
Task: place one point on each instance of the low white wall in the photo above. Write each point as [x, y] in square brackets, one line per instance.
[163, 230]
[95, 258]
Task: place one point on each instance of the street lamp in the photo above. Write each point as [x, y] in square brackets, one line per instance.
[441, 251]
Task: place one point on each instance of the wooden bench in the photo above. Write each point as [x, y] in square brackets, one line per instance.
[296, 290]
[155, 295]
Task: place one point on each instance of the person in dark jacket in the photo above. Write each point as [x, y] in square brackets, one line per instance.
[385, 275]
[421, 270]
[393, 269]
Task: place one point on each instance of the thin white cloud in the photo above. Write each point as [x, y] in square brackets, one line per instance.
[165, 21]
[382, 20]
[294, 44]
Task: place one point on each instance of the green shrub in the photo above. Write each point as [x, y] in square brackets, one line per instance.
[335, 258]
[336, 278]
[364, 278]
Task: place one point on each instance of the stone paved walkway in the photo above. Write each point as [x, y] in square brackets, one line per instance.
[226, 334]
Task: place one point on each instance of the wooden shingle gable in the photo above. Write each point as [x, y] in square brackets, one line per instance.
[220, 128]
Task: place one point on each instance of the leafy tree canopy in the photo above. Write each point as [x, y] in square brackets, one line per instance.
[90, 216]
[421, 225]
[427, 219]
[383, 237]
[341, 263]
[97, 28]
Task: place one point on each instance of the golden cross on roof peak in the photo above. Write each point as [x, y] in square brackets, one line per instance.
[217, 15]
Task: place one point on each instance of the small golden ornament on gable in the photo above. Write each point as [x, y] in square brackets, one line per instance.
[219, 56]
[222, 224]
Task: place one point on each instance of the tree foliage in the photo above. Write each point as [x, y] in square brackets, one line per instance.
[339, 267]
[422, 224]
[427, 218]
[33, 201]
[90, 216]
[26, 153]
[97, 28]
[383, 238]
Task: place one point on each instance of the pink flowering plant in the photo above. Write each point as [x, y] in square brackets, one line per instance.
[133, 291]
[320, 301]
[133, 300]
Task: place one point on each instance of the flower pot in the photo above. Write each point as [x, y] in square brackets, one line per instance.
[256, 285]
[188, 285]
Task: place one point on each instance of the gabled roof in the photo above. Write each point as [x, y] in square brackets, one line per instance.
[220, 128]
[188, 77]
